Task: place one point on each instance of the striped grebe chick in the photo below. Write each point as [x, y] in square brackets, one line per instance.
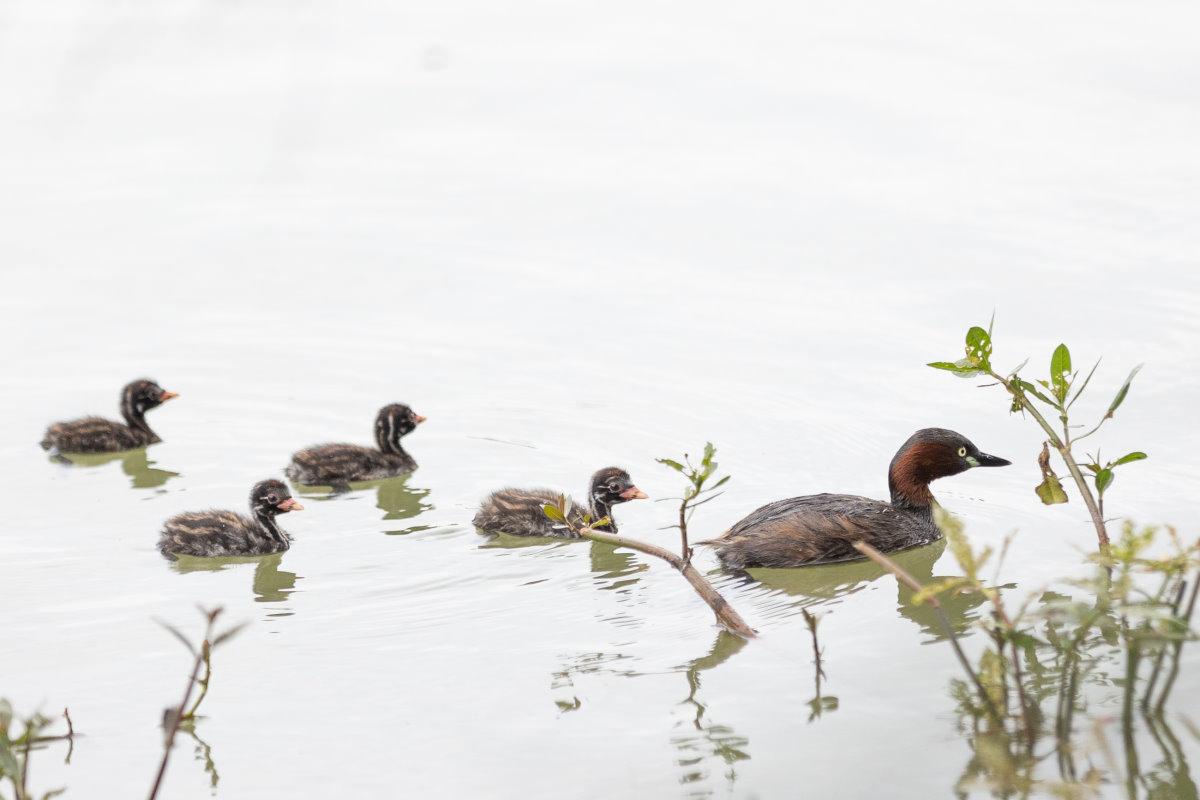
[519, 511]
[339, 464]
[227, 533]
[99, 435]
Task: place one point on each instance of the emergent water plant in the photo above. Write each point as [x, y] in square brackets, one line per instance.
[202, 656]
[1125, 632]
[1056, 395]
[16, 748]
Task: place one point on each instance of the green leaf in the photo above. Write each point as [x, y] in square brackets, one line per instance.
[952, 529]
[1104, 479]
[1033, 390]
[8, 762]
[553, 513]
[1135, 456]
[1082, 386]
[937, 587]
[960, 368]
[191, 648]
[979, 348]
[1120, 398]
[1023, 639]
[709, 450]
[1050, 491]
[225, 636]
[1060, 371]
[675, 465]
[720, 482]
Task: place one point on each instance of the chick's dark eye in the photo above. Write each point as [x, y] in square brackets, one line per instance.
[614, 487]
[272, 499]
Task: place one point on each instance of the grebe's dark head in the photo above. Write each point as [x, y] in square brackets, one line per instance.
[142, 395]
[392, 422]
[929, 454]
[613, 485]
[271, 497]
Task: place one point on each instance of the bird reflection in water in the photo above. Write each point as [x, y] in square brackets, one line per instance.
[615, 569]
[397, 500]
[823, 584]
[134, 463]
[271, 584]
[394, 497]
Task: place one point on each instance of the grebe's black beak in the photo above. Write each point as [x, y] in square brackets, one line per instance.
[984, 460]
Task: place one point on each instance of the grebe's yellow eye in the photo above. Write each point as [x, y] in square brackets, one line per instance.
[962, 452]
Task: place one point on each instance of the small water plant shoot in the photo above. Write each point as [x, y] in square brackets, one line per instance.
[202, 656]
[1055, 395]
[697, 477]
[15, 749]
[726, 616]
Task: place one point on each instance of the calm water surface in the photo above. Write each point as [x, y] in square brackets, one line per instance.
[570, 237]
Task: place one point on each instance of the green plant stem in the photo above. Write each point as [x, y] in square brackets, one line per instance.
[1026, 712]
[206, 651]
[724, 612]
[1187, 622]
[1070, 678]
[22, 794]
[1132, 655]
[687, 551]
[1064, 451]
[1162, 651]
[894, 568]
[176, 719]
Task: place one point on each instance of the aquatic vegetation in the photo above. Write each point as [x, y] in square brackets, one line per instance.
[697, 477]
[176, 716]
[1057, 394]
[1119, 633]
[16, 749]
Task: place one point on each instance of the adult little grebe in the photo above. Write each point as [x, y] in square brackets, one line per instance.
[519, 511]
[227, 533]
[338, 464]
[821, 528]
[99, 435]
